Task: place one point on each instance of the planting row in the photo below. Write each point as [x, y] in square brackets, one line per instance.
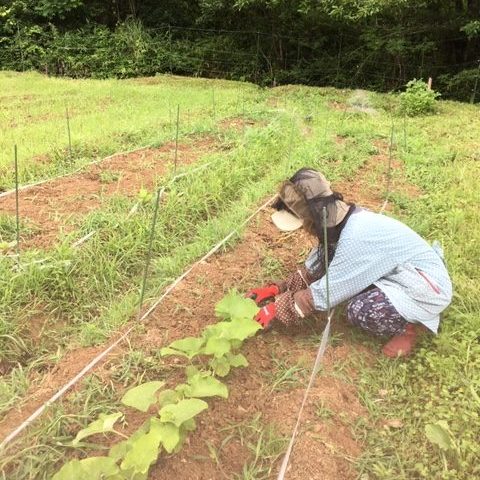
[176, 408]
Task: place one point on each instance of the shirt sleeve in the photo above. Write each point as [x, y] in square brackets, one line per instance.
[357, 264]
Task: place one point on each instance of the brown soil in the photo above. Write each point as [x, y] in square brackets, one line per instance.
[235, 123]
[55, 206]
[325, 447]
[369, 186]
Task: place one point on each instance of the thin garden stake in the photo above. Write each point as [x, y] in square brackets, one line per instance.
[474, 94]
[405, 132]
[149, 251]
[17, 210]
[176, 141]
[69, 134]
[213, 103]
[290, 146]
[389, 168]
[325, 254]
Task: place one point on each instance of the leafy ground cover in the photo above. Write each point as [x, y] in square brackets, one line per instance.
[365, 413]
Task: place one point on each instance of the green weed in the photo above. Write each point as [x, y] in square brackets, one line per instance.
[264, 444]
[284, 376]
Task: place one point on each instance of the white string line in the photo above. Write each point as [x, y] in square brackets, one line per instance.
[316, 368]
[77, 170]
[103, 354]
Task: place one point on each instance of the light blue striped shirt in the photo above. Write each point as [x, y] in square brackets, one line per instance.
[379, 250]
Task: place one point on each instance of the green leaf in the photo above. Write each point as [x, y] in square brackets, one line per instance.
[103, 425]
[237, 329]
[143, 452]
[244, 328]
[182, 411]
[99, 467]
[191, 371]
[168, 433]
[93, 468]
[168, 397]
[119, 450]
[187, 347]
[204, 385]
[167, 351]
[237, 360]
[143, 396]
[439, 434]
[70, 471]
[217, 347]
[189, 425]
[221, 366]
[234, 306]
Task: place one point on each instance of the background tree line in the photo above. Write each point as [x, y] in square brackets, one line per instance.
[379, 44]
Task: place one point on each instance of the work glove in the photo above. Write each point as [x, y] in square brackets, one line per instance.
[263, 293]
[289, 309]
[267, 315]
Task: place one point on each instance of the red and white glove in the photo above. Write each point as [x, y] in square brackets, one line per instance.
[267, 315]
[263, 293]
[289, 309]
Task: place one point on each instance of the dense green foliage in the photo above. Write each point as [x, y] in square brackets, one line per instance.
[418, 99]
[379, 44]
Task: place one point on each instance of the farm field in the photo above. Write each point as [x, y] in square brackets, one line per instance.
[85, 239]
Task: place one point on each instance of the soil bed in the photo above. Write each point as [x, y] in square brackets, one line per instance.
[51, 206]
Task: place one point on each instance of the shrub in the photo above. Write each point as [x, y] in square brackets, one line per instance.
[418, 99]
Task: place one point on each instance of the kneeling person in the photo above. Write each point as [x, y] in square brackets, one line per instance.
[392, 278]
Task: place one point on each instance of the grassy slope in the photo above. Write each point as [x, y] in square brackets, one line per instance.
[106, 116]
[439, 382]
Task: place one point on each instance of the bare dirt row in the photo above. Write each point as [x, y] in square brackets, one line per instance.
[53, 207]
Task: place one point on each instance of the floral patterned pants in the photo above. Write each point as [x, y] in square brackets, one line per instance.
[372, 311]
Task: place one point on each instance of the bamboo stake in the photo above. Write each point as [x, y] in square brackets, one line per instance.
[69, 133]
[325, 248]
[17, 210]
[148, 259]
[176, 141]
[213, 103]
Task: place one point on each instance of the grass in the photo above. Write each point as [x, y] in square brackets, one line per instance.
[284, 376]
[264, 444]
[101, 113]
[85, 302]
[92, 299]
[441, 381]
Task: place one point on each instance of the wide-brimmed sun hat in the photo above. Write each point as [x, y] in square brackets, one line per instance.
[302, 199]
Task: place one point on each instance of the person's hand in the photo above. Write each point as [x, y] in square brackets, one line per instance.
[267, 315]
[263, 293]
